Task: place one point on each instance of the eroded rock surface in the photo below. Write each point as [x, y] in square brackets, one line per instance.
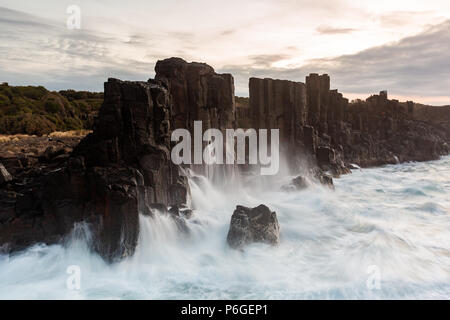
[250, 225]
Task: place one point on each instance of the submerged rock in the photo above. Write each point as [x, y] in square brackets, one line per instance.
[296, 184]
[302, 182]
[324, 178]
[181, 211]
[250, 225]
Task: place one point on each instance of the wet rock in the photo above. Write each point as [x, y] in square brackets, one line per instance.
[181, 211]
[325, 156]
[186, 213]
[323, 178]
[122, 168]
[159, 207]
[175, 210]
[332, 132]
[250, 225]
[298, 183]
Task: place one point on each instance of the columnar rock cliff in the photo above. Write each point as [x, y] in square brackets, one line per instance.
[119, 170]
[430, 113]
[278, 104]
[321, 123]
[124, 168]
[198, 93]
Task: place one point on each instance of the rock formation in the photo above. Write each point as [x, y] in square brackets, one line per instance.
[319, 124]
[123, 167]
[382, 131]
[250, 225]
[115, 173]
[198, 93]
[429, 113]
[302, 182]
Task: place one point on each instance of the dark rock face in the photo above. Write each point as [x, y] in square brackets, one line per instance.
[250, 225]
[123, 168]
[278, 104]
[318, 92]
[323, 127]
[119, 170]
[133, 129]
[429, 113]
[383, 132]
[198, 93]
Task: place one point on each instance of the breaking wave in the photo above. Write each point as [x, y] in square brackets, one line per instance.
[395, 219]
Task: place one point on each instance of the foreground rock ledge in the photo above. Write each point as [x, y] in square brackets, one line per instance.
[250, 225]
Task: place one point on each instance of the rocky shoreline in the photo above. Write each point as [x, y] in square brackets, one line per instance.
[123, 167]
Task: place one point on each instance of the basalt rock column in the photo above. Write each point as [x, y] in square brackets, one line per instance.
[318, 88]
[133, 129]
[337, 112]
[279, 104]
[198, 93]
[115, 173]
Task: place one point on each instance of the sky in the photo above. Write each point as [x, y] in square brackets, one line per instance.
[402, 46]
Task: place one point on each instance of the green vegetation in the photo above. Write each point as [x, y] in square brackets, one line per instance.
[241, 102]
[35, 110]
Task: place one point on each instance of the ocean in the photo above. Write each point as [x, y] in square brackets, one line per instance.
[383, 233]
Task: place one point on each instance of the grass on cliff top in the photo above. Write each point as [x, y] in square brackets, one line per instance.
[36, 111]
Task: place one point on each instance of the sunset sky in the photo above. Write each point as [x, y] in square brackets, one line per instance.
[366, 46]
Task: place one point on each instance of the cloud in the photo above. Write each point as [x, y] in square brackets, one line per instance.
[334, 30]
[267, 60]
[227, 32]
[400, 18]
[414, 66]
[35, 50]
[40, 51]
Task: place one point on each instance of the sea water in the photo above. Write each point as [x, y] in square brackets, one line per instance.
[383, 233]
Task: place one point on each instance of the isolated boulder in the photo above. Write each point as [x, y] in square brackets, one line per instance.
[250, 225]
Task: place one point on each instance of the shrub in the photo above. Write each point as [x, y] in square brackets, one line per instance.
[24, 110]
[35, 93]
[4, 100]
[52, 107]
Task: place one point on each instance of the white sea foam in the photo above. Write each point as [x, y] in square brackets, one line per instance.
[396, 218]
